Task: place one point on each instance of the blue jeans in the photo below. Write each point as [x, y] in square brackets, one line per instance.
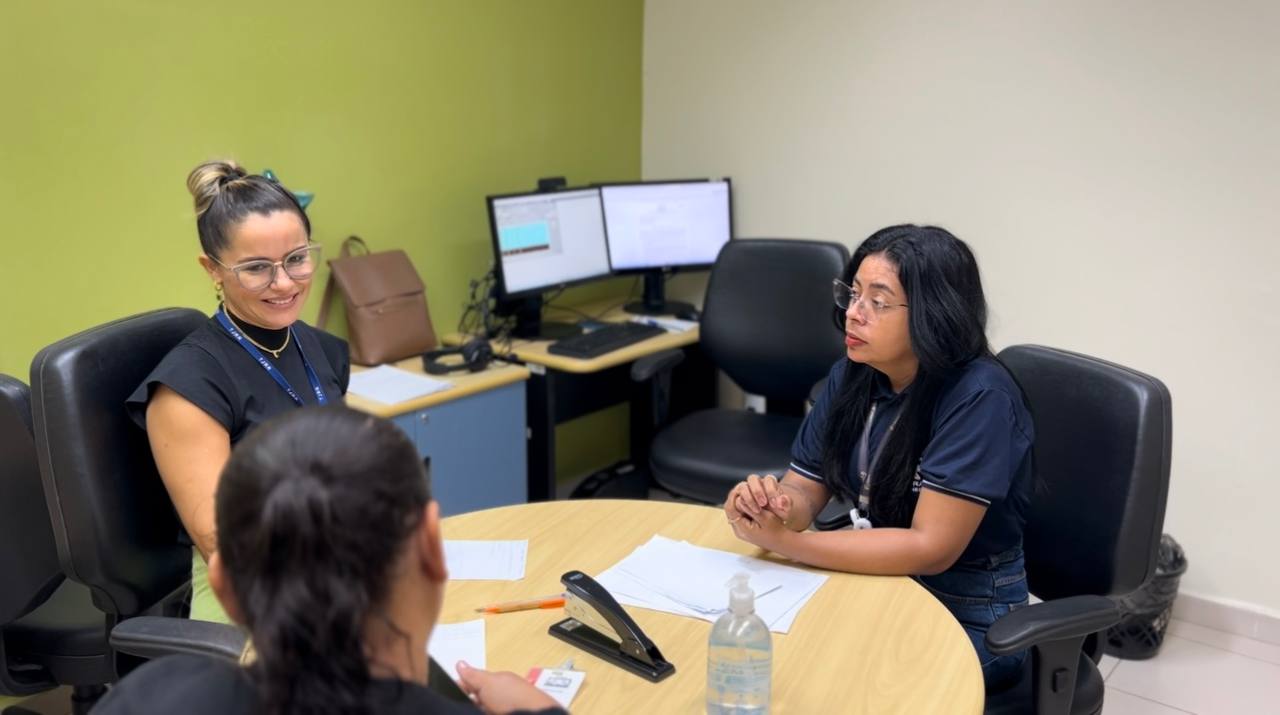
[977, 592]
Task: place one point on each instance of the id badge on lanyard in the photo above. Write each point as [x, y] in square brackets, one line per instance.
[280, 380]
[861, 514]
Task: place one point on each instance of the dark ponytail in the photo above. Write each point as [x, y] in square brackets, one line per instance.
[313, 510]
[947, 324]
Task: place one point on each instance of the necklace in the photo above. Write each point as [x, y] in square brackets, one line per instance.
[274, 353]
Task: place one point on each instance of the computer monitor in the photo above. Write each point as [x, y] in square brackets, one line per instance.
[544, 241]
[658, 227]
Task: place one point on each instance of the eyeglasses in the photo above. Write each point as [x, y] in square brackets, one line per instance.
[872, 308]
[259, 275]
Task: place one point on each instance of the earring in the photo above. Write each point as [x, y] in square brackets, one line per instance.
[217, 291]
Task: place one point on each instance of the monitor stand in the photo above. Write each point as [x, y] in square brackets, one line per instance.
[552, 330]
[654, 301]
[529, 322]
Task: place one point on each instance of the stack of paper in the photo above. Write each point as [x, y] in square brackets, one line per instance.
[389, 385]
[485, 560]
[678, 577]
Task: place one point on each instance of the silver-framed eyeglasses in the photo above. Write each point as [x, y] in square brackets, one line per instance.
[299, 264]
[872, 308]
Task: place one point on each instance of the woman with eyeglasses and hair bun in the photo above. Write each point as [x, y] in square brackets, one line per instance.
[922, 429]
[253, 359]
[330, 555]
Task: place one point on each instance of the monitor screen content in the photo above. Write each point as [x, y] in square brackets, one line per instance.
[550, 239]
[666, 225]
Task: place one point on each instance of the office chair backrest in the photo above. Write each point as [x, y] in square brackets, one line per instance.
[1102, 450]
[28, 559]
[114, 526]
[766, 320]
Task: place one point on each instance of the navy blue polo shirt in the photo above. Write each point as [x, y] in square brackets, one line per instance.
[979, 447]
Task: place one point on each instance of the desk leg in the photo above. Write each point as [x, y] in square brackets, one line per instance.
[553, 396]
[541, 421]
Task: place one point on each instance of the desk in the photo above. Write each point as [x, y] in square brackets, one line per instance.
[563, 388]
[893, 649]
[474, 434]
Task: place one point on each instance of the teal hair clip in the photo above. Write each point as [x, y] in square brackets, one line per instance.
[304, 197]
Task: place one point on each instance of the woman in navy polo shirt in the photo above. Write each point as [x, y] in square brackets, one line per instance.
[923, 429]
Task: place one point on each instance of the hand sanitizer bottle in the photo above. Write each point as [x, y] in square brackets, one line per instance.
[739, 656]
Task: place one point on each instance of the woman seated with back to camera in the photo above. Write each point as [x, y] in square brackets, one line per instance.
[923, 429]
[252, 360]
[330, 555]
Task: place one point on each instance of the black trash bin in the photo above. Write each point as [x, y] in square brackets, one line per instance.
[1146, 611]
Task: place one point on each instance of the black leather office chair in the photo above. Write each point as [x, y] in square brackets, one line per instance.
[113, 524]
[1102, 451]
[766, 322]
[50, 633]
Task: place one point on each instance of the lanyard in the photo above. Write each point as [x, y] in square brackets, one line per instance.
[226, 324]
[861, 516]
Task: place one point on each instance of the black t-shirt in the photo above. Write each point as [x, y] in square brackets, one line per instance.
[213, 372]
[200, 685]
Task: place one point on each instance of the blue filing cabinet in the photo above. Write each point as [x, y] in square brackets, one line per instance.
[477, 448]
[476, 445]
[475, 434]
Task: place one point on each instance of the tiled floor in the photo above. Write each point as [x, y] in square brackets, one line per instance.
[1199, 671]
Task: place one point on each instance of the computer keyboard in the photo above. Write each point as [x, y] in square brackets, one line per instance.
[603, 340]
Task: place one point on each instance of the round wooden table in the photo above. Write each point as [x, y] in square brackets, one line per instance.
[862, 644]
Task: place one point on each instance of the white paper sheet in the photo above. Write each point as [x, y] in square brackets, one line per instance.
[485, 560]
[452, 642]
[688, 580]
[671, 325]
[389, 385]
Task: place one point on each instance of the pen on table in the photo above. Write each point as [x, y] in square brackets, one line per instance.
[553, 601]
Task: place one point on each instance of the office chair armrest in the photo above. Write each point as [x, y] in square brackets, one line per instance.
[834, 516]
[155, 636]
[835, 523]
[1058, 620]
[645, 368]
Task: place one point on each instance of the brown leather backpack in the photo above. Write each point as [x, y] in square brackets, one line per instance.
[387, 318]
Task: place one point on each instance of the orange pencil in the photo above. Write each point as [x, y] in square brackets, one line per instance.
[528, 604]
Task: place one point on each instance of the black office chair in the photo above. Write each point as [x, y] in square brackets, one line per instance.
[1102, 451]
[113, 524]
[50, 633]
[766, 322]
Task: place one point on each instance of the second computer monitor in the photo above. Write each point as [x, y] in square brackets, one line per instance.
[666, 224]
[653, 227]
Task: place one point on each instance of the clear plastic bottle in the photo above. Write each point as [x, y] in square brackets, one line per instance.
[739, 656]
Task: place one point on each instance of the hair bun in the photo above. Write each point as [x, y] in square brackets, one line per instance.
[207, 180]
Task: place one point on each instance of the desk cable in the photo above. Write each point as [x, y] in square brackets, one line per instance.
[600, 314]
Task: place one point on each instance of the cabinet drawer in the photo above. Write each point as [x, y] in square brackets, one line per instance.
[477, 448]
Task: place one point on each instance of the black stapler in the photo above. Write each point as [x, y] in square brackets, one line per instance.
[631, 649]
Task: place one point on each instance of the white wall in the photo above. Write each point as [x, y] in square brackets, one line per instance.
[1116, 167]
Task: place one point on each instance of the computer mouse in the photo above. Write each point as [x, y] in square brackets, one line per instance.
[688, 314]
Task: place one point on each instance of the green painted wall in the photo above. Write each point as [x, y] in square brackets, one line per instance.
[400, 114]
